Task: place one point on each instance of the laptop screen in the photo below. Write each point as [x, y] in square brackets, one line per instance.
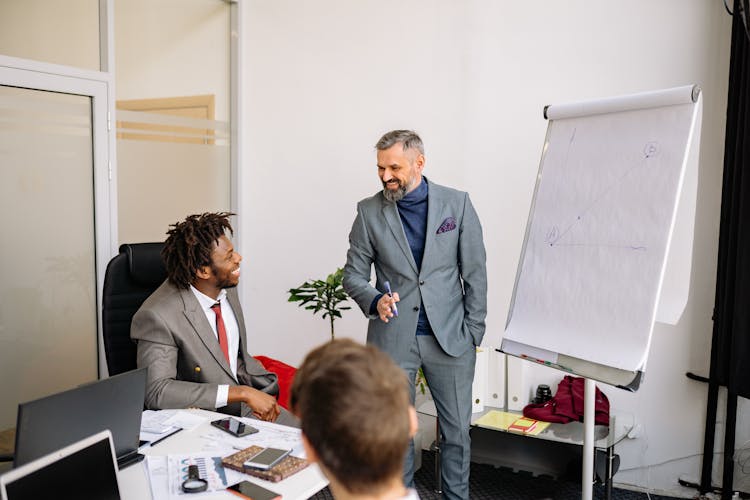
[114, 403]
[85, 469]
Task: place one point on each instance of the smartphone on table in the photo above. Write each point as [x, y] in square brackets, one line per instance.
[253, 491]
[266, 458]
[234, 427]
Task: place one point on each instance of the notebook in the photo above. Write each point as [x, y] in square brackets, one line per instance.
[285, 468]
[84, 469]
[114, 403]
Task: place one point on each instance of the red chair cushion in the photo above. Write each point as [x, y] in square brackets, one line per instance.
[285, 373]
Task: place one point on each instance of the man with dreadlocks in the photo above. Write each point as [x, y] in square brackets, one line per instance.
[191, 332]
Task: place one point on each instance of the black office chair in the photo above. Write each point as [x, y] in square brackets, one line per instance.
[131, 276]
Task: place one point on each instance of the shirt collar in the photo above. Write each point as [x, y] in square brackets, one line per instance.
[205, 301]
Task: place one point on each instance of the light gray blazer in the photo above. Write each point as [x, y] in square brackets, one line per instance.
[452, 283]
[185, 362]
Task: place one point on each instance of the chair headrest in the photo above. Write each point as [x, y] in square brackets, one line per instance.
[145, 263]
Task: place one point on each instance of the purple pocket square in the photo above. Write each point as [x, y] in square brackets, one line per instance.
[448, 224]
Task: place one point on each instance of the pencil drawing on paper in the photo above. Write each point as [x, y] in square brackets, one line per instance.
[651, 149]
[554, 235]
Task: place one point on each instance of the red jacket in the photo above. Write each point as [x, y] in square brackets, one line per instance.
[567, 404]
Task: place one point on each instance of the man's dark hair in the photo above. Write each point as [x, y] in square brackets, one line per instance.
[353, 403]
[190, 243]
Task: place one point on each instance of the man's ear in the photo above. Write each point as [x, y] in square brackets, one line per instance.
[312, 457]
[203, 272]
[413, 422]
[419, 162]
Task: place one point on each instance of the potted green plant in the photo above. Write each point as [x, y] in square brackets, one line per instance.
[326, 295]
[322, 295]
[420, 382]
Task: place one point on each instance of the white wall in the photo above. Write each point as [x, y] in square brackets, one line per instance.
[323, 80]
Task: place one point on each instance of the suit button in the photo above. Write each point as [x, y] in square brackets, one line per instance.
[416, 308]
[421, 282]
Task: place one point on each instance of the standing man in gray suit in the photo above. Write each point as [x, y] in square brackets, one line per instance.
[191, 331]
[429, 302]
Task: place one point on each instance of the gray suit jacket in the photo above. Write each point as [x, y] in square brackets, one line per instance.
[185, 362]
[452, 283]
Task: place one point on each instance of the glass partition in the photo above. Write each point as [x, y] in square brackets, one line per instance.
[173, 94]
[48, 317]
[54, 32]
[169, 166]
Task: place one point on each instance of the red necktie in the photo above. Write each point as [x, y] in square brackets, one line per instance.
[221, 331]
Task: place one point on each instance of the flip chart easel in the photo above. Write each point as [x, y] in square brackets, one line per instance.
[599, 239]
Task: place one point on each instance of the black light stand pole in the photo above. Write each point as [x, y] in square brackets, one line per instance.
[727, 482]
[711, 408]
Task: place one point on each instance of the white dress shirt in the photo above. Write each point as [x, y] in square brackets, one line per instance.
[233, 334]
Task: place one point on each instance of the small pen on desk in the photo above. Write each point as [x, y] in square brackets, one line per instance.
[390, 294]
[165, 437]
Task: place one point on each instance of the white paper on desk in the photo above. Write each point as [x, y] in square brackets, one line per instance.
[270, 435]
[210, 468]
[151, 437]
[186, 420]
[156, 467]
[162, 423]
[159, 422]
[155, 422]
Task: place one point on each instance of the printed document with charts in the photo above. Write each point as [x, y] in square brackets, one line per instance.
[165, 472]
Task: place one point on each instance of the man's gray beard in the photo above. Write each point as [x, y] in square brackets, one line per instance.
[396, 195]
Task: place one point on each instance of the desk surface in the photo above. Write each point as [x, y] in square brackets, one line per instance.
[134, 482]
[563, 433]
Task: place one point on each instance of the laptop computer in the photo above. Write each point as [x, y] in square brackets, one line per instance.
[114, 403]
[84, 469]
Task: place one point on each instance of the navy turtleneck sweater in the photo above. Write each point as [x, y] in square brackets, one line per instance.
[413, 211]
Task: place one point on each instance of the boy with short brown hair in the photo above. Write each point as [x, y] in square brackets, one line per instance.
[353, 402]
